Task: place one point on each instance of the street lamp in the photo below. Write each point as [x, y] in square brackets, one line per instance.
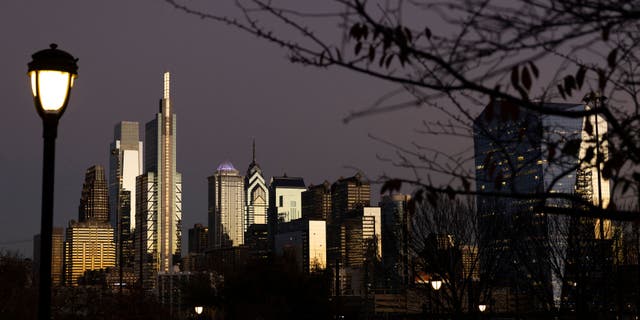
[52, 73]
[198, 310]
[482, 307]
[436, 284]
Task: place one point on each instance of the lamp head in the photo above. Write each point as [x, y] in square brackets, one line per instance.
[436, 284]
[52, 74]
[198, 309]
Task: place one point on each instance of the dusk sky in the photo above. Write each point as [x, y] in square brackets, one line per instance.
[227, 88]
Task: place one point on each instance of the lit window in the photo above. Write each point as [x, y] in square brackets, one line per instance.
[520, 158]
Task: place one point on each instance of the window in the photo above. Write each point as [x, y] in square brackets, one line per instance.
[281, 201]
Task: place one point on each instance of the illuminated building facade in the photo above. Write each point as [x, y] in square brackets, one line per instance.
[513, 156]
[226, 207]
[256, 194]
[285, 198]
[303, 241]
[158, 240]
[89, 246]
[125, 164]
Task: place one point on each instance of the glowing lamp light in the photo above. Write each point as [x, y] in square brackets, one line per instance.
[52, 74]
[436, 284]
[482, 307]
[198, 309]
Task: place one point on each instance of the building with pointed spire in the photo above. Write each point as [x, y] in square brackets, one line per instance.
[159, 197]
[256, 194]
[226, 207]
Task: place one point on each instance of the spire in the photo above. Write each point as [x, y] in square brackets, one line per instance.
[254, 151]
[167, 85]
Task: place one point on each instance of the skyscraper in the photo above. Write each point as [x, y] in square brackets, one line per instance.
[226, 207]
[396, 233]
[57, 255]
[89, 246]
[159, 196]
[94, 201]
[316, 202]
[256, 194]
[285, 198]
[349, 193]
[89, 242]
[515, 153]
[198, 238]
[125, 164]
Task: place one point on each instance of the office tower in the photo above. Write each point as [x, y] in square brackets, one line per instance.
[89, 246]
[159, 197]
[57, 255]
[256, 194]
[396, 233]
[125, 164]
[94, 201]
[513, 155]
[316, 202]
[198, 238]
[357, 241]
[303, 242]
[285, 200]
[349, 193]
[226, 207]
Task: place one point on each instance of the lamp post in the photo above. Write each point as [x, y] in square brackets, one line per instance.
[435, 285]
[52, 73]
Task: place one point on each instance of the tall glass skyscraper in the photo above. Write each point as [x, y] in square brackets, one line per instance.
[159, 196]
[519, 151]
[125, 164]
[256, 194]
[226, 207]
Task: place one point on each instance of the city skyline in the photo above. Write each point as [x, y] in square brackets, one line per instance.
[103, 97]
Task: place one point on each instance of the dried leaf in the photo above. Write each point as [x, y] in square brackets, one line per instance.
[427, 32]
[572, 147]
[569, 84]
[580, 76]
[354, 32]
[588, 155]
[388, 62]
[561, 90]
[526, 79]
[534, 69]
[358, 48]
[465, 184]
[605, 32]
[588, 127]
[612, 58]
[372, 53]
[602, 80]
[408, 34]
[514, 77]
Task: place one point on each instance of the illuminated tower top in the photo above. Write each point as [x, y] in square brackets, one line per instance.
[167, 85]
